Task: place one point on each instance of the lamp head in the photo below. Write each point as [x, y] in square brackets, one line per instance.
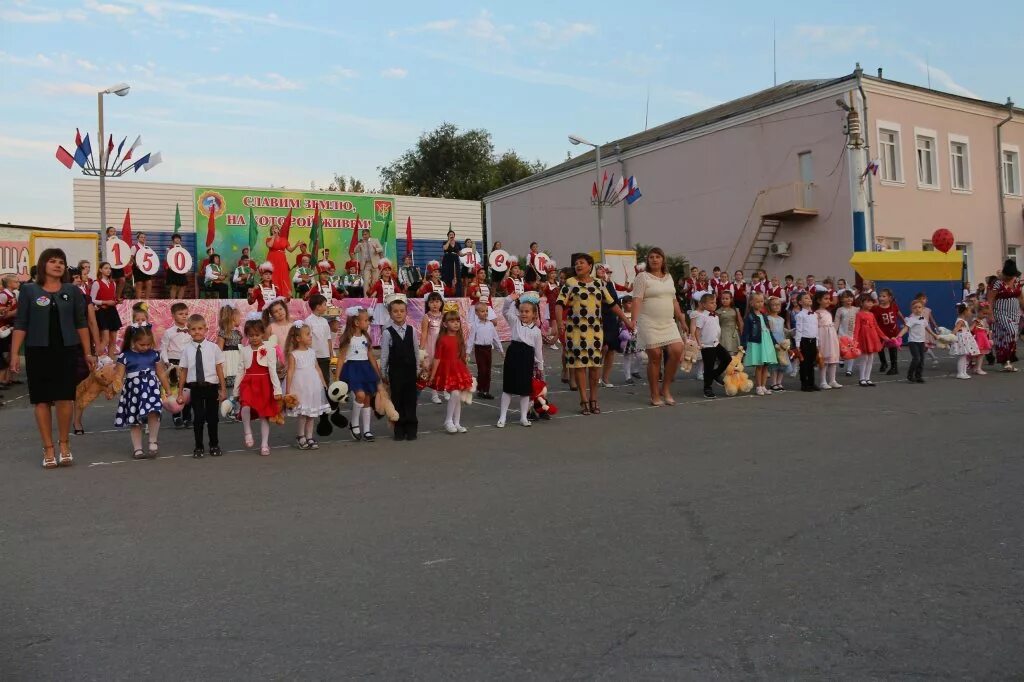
[121, 89]
[576, 139]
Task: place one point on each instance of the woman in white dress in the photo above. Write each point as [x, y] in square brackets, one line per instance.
[657, 312]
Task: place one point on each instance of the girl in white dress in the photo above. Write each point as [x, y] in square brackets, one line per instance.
[306, 383]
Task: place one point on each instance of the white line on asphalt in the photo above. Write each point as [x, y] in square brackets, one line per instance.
[438, 561]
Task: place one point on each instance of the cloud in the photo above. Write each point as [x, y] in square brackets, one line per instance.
[39, 60]
[73, 88]
[344, 72]
[41, 16]
[837, 38]
[482, 28]
[273, 82]
[557, 36]
[110, 9]
[86, 64]
[394, 72]
[941, 78]
[21, 148]
[160, 9]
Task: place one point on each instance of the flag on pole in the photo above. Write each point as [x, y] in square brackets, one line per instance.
[135, 145]
[211, 224]
[78, 137]
[121, 146]
[126, 228]
[140, 163]
[316, 235]
[593, 192]
[177, 219]
[110, 146]
[155, 160]
[253, 233]
[87, 148]
[286, 226]
[408, 236]
[634, 191]
[355, 237]
[64, 156]
[384, 234]
[80, 156]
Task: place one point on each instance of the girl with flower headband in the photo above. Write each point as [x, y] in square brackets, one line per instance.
[385, 287]
[359, 370]
[514, 282]
[525, 356]
[306, 382]
[140, 397]
[259, 389]
[266, 291]
[434, 285]
[480, 292]
[448, 372]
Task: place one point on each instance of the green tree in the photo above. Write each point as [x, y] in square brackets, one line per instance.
[455, 165]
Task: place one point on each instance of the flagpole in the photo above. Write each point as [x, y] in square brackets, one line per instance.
[103, 183]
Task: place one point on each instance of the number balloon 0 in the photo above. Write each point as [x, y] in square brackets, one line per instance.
[179, 260]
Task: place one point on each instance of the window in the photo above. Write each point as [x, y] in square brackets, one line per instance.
[889, 144]
[959, 164]
[968, 269]
[927, 246]
[1012, 253]
[1011, 170]
[888, 243]
[927, 172]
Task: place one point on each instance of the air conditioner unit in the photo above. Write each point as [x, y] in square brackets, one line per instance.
[780, 249]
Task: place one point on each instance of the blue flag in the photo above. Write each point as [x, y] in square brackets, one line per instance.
[140, 163]
[86, 147]
[80, 156]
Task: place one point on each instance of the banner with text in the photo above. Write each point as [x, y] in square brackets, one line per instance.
[338, 215]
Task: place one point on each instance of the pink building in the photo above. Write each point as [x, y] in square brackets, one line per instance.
[776, 180]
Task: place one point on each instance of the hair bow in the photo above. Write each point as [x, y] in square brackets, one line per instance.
[298, 324]
[530, 297]
[141, 325]
[354, 310]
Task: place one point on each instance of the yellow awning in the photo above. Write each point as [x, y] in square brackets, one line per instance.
[908, 266]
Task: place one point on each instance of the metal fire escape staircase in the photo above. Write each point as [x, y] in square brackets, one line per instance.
[790, 202]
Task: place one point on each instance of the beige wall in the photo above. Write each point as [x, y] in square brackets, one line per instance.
[699, 197]
[908, 212]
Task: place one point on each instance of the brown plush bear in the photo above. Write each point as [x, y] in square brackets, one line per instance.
[108, 380]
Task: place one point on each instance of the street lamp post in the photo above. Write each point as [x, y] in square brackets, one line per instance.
[121, 89]
[576, 139]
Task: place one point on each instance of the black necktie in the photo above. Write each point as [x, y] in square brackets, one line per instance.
[200, 372]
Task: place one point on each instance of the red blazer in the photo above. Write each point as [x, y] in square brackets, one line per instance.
[331, 292]
[377, 291]
[257, 297]
[509, 285]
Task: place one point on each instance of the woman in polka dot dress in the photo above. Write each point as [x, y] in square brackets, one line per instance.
[140, 396]
[582, 296]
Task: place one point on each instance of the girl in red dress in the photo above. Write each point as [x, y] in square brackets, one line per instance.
[869, 337]
[277, 244]
[259, 389]
[448, 372]
[480, 292]
[104, 297]
[434, 285]
[385, 286]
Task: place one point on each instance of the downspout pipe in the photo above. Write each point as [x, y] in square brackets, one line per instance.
[867, 156]
[1000, 186]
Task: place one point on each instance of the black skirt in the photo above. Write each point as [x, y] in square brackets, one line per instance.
[517, 376]
[117, 273]
[107, 318]
[175, 279]
[53, 372]
[140, 276]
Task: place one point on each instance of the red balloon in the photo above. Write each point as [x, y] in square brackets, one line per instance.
[943, 240]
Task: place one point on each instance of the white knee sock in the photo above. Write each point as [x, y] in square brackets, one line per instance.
[627, 365]
[865, 362]
[961, 365]
[456, 398]
[357, 409]
[506, 399]
[265, 433]
[247, 421]
[449, 409]
[524, 408]
[367, 412]
[832, 367]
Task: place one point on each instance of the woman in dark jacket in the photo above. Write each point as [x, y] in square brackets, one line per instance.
[53, 327]
[450, 261]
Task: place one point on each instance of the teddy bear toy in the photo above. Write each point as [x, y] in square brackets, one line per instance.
[382, 405]
[539, 398]
[285, 402]
[736, 380]
[171, 404]
[782, 351]
[944, 337]
[691, 354]
[467, 396]
[108, 379]
[848, 349]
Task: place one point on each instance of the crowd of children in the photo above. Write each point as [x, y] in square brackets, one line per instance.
[267, 366]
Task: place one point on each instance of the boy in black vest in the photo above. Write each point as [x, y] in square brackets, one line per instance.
[398, 364]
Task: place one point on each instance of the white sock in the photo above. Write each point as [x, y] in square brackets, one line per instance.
[367, 413]
[247, 421]
[456, 400]
[627, 365]
[357, 409]
[524, 408]
[265, 433]
[832, 367]
[449, 409]
[506, 399]
[961, 365]
[865, 361]
[698, 367]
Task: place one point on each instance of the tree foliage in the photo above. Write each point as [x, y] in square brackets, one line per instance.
[454, 165]
[341, 184]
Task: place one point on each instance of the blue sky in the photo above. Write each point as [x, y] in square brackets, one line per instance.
[258, 93]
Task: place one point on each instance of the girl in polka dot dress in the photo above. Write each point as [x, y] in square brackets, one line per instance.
[140, 398]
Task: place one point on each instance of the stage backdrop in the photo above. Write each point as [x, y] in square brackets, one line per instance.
[338, 212]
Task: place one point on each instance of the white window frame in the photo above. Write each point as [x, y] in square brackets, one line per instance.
[896, 129]
[892, 243]
[963, 140]
[1015, 150]
[968, 249]
[1013, 253]
[931, 135]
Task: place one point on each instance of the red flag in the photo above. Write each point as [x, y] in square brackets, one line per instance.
[355, 237]
[408, 236]
[593, 192]
[110, 145]
[287, 225]
[126, 228]
[64, 156]
[211, 225]
[314, 235]
[78, 138]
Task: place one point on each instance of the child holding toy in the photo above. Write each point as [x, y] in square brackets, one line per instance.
[359, 369]
[430, 329]
[846, 317]
[525, 355]
[306, 382]
[887, 314]
[140, 397]
[228, 340]
[202, 372]
[259, 389]
[917, 330]
[398, 363]
[981, 328]
[828, 341]
[965, 348]
[806, 324]
[631, 361]
[869, 337]
[730, 321]
[705, 327]
[758, 342]
[448, 372]
[777, 325]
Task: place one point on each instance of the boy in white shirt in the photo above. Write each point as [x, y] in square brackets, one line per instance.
[806, 324]
[201, 370]
[707, 330]
[482, 337]
[320, 328]
[171, 344]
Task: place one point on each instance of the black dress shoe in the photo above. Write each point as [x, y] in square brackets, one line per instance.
[892, 371]
[215, 451]
[709, 394]
[198, 453]
[399, 435]
[411, 436]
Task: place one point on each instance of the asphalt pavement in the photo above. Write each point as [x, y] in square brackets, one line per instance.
[849, 534]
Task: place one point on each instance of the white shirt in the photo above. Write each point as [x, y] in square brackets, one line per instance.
[172, 343]
[709, 329]
[211, 274]
[806, 325]
[917, 324]
[524, 333]
[482, 334]
[212, 356]
[357, 349]
[321, 331]
[699, 293]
